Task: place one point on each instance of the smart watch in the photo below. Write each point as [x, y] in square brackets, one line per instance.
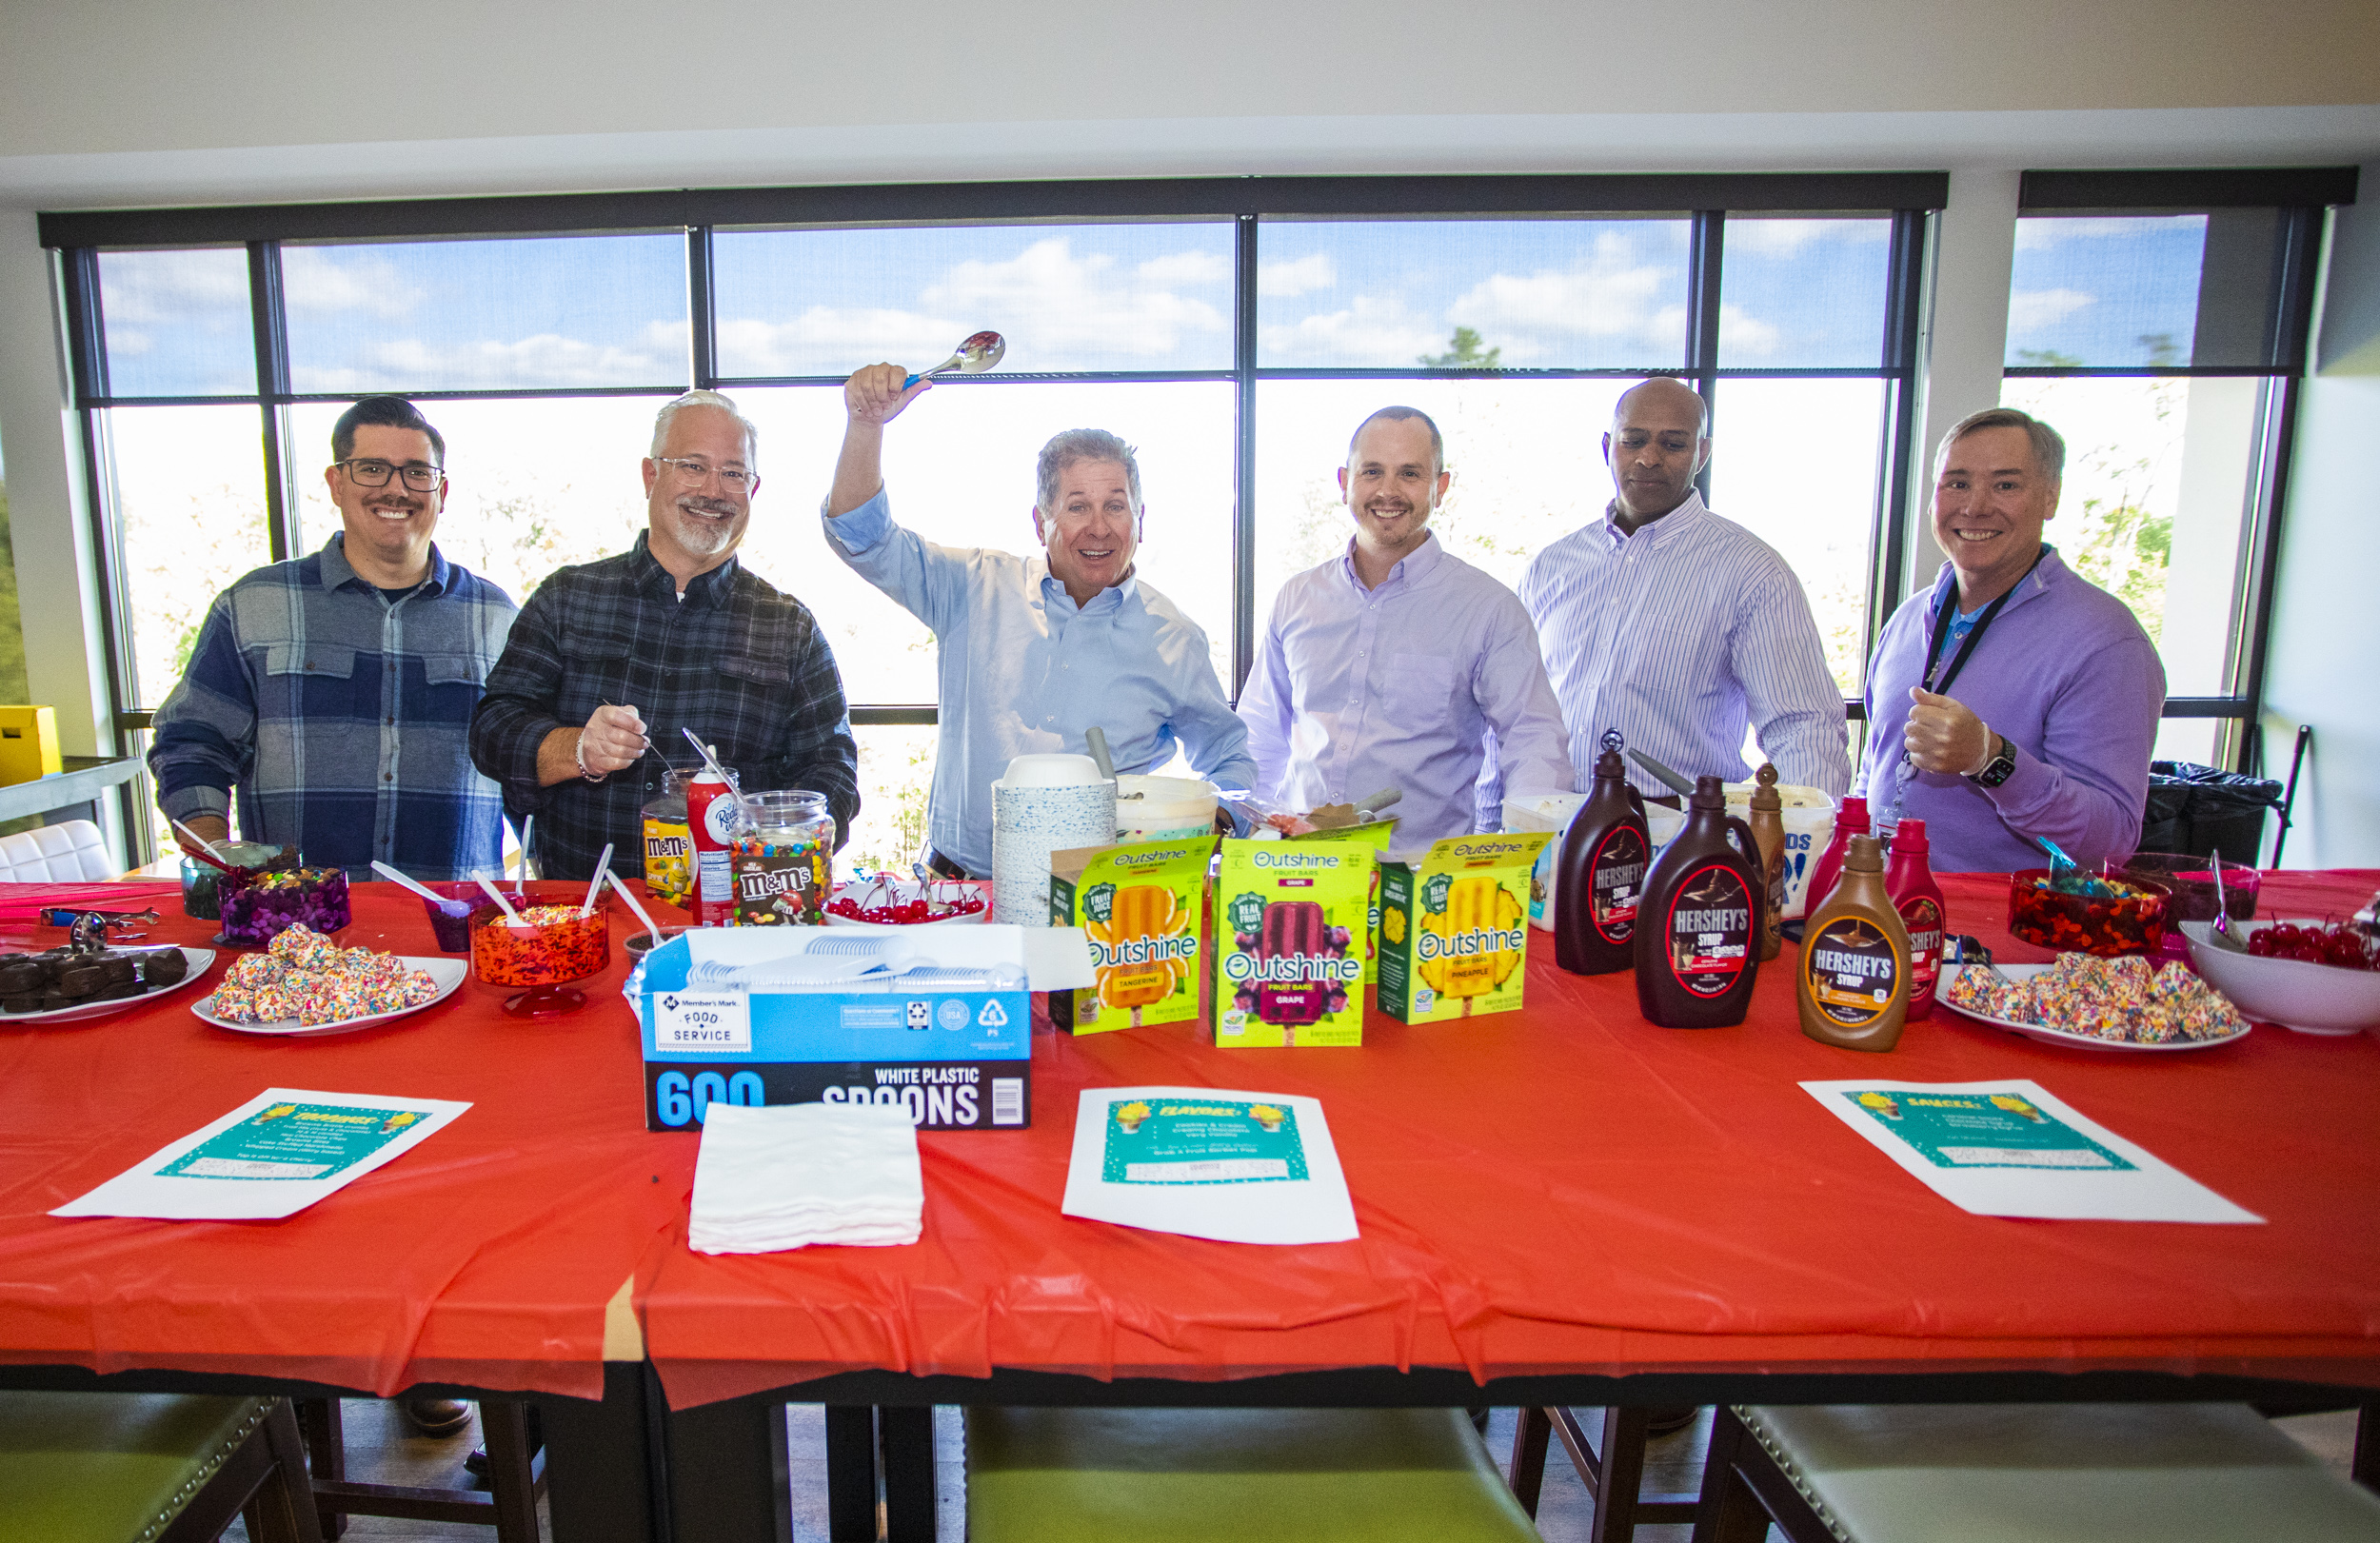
[1999, 768]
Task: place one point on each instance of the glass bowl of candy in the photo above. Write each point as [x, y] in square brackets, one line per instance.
[889, 900]
[549, 947]
[2124, 914]
[462, 905]
[2313, 977]
[256, 906]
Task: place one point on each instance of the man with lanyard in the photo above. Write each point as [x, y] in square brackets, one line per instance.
[613, 661]
[1677, 627]
[2013, 699]
[335, 691]
[1034, 651]
[1398, 665]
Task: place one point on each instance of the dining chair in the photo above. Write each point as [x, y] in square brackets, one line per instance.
[1612, 1472]
[516, 1476]
[70, 850]
[151, 1468]
[1219, 1475]
[2039, 1472]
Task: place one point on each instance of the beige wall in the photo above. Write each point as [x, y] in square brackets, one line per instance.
[182, 74]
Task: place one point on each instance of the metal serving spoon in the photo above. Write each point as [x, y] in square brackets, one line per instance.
[978, 354]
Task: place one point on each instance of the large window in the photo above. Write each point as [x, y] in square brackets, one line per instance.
[2164, 344]
[1234, 331]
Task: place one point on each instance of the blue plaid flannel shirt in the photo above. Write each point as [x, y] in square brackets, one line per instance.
[342, 718]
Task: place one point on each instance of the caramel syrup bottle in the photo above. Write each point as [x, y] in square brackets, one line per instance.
[1854, 980]
[1698, 927]
[1598, 876]
[1767, 834]
[1909, 880]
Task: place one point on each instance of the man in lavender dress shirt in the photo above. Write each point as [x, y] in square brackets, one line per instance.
[1393, 664]
[2013, 700]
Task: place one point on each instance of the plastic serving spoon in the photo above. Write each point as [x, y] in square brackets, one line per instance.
[451, 907]
[978, 354]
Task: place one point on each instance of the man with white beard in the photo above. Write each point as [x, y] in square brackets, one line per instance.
[611, 661]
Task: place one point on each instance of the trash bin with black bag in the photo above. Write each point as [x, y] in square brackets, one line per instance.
[2194, 808]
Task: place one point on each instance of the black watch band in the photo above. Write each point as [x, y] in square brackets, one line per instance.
[1999, 768]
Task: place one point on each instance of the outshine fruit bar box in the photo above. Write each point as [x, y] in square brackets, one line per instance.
[1289, 925]
[1455, 928]
[1139, 907]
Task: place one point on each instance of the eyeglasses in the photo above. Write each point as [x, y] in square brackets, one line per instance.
[368, 473]
[695, 473]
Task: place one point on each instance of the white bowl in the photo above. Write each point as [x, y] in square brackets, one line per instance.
[1052, 771]
[2311, 999]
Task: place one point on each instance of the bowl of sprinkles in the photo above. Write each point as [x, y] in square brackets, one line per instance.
[2128, 919]
[544, 949]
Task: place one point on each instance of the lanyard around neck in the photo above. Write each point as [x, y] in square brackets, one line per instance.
[1942, 619]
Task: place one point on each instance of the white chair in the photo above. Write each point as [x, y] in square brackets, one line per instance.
[68, 851]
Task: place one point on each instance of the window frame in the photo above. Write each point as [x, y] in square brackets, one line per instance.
[1909, 199]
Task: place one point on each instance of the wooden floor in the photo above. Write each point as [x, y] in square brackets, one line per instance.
[381, 1447]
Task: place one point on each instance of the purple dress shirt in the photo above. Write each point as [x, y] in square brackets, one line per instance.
[2069, 679]
[1357, 689]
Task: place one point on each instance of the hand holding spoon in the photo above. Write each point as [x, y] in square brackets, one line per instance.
[978, 354]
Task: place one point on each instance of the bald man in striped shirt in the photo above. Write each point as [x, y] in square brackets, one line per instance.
[1676, 627]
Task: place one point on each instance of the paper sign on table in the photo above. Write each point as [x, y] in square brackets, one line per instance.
[1208, 1163]
[274, 1155]
[2014, 1149]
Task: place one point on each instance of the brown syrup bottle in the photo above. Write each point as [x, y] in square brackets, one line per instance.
[1698, 927]
[1598, 876]
[1768, 833]
[1852, 979]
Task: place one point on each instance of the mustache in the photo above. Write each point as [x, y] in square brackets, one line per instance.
[696, 504]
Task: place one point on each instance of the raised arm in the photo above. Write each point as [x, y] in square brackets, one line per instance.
[871, 398]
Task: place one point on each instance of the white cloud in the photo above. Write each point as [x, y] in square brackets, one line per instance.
[1300, 276]
[1741, 336]
[2029, 310]
[2041, 232]
[1786, 238]
[1610, 298]
[167, 287]
[829, 340]
[1373, 331]
[1069, 306]
[657, 357]
[1185, 267]
[310, 280]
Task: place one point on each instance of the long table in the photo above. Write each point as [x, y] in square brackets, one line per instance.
[1567, 1204]
[495, 1260]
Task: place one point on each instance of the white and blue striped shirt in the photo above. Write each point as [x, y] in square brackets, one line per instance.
[1680, 635]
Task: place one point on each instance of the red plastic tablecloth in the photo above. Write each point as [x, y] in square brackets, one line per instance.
[484, 1256]
[1568, 1189]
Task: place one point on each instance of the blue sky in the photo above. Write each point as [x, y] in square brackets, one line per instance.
[2093, 290]
[553, 313]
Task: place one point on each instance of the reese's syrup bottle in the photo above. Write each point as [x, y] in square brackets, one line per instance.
[1767, 834]
[1854, 980]
[1698, 926]
[1599, 877]
[1909, 880]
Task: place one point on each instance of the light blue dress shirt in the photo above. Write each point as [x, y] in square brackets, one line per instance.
[1430, 685]
[1023, 670]
[1681, 635]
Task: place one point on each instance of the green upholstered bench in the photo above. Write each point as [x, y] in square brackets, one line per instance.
[1206, 1476]
[2035, 1472]
[149, 1468]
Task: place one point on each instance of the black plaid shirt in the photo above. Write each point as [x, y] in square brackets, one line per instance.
[743, 666]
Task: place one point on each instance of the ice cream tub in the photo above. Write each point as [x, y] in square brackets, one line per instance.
[1165, 808]
[1046, 803]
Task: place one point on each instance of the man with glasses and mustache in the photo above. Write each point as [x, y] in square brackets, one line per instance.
[1398, 665]
[335, 691]
[611, 661]
[1034, 651]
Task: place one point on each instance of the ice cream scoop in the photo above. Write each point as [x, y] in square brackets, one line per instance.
[978, 354]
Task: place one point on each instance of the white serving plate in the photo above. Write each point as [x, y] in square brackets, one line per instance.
[2057, 1036]
[2306, 998]
[198, 959]
[448, 972]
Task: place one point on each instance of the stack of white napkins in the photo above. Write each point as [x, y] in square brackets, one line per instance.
[791, 1174]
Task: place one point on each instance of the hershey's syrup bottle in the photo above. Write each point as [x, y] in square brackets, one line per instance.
[1854, 980]
[1850, 820]
[1908, 879]
[1598, 876]
[1767, 834]
[1697, 929]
